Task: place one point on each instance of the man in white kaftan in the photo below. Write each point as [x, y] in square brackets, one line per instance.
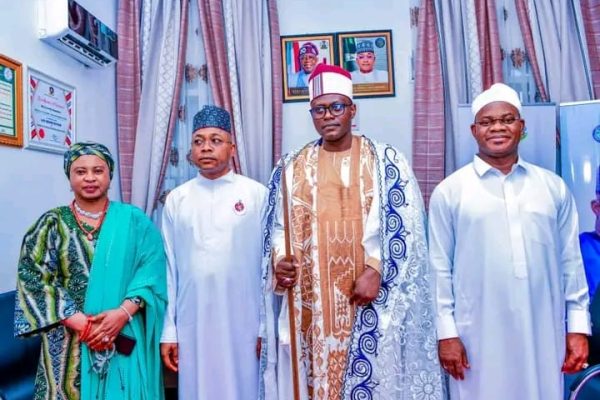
[212, 228]
[504, 249]
[375, 76]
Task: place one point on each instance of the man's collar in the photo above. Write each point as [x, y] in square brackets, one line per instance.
[228, 177]
[481, 167]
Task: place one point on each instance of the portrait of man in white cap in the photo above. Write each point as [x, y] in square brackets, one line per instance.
[357, 273]
[508, 273]
[365, 60]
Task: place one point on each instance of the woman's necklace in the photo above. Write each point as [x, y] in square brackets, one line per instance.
[89, 214]
[88, 233]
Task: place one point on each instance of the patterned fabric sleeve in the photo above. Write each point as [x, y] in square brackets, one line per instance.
[42, 301]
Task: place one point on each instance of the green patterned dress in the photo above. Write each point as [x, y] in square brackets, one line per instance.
[54, 267]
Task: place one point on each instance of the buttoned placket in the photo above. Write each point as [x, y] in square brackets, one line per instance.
[515, 226]
[212, 203]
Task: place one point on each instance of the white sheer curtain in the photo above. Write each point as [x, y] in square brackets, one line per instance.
[561, 49]
[461, 65]
[195, 93]
[160, 41]
[248, 44]
[516, 67]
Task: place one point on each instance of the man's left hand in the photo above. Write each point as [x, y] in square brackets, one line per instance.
[577, 353]
[366, 287]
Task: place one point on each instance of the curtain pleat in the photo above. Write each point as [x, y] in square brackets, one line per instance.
[213, 31]
[128, 89]
[489, 42]
[428, 122]
[181, 53]
[276, 82]
[590, 10]
[525, 25]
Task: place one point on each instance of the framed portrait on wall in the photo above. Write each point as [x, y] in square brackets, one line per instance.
[300, 54]
[367, 55]
[11, 102]
[52, 113]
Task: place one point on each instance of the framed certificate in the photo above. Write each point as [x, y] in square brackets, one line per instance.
[11, 102]
[52, 113]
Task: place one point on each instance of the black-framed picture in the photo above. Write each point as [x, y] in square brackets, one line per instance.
[300, 54]
[368, 56]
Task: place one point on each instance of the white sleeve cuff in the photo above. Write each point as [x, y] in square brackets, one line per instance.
[169, 335]
[578, 321]
[446, 327]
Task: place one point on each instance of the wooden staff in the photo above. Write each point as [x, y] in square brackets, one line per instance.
[290, 292]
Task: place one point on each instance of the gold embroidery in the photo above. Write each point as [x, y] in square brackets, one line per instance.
[327, 231]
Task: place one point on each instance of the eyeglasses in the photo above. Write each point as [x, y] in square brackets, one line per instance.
[487, 122]
[335, 109]
[213, 142]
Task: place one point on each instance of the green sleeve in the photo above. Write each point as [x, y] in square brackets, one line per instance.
[41, 300]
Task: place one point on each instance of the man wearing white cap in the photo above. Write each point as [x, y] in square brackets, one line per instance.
[505, 254]
[365, 60]
[362, 307]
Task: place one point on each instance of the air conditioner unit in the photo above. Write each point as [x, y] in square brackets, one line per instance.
[69, 27]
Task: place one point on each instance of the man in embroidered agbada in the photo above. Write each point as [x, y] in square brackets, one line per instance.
[91, 282]
[504, 249]
[362, 302]
[212, 229]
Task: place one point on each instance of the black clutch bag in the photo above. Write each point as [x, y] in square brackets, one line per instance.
[124, 344]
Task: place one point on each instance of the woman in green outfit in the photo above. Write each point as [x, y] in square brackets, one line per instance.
[91, 282]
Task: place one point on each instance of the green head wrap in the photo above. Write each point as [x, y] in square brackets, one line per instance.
[88, 149]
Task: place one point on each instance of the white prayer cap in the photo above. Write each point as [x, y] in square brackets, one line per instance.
[328, 79]
[497, 92]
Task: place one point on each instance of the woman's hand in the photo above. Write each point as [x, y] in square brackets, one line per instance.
[105, 328]
[76, 322]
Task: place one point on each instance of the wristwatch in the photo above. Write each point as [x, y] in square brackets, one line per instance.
[137, 300]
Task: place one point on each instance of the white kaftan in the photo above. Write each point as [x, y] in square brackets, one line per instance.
[213, 239]
[375, 76]
[504, 250]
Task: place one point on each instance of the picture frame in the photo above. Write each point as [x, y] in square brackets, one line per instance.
[298, 59]
[52, 113]
[368, 56]
[11, 102]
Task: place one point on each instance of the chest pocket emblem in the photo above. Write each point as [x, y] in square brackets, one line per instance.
[239, 208]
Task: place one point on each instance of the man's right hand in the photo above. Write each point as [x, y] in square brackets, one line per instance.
[453, 357]
[170, 355]
[286, 272]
